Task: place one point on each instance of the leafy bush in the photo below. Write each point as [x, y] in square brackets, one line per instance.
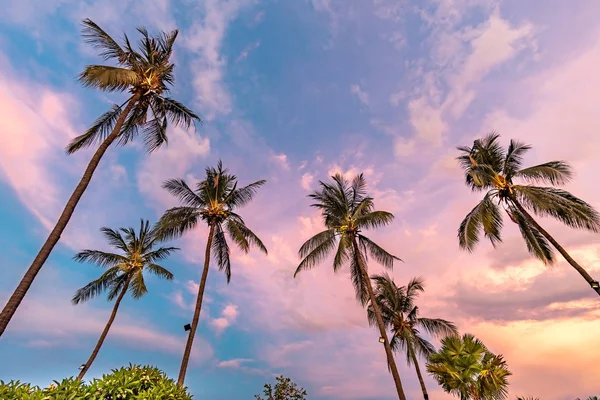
[128, 383]
[284, 389]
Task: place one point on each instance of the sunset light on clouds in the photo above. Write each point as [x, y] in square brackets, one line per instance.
[293, 91]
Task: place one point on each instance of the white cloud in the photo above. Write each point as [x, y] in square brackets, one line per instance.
[307, 180]
[362, 96]
[235, 363]
[227, 318]
[282, 160]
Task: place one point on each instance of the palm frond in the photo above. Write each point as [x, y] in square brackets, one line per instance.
[242, 196]
[559, 204]
[437, 327]
[358, 279]
[375, 219]
[159, 271]
[180, 189]
[316, 249]
[514, 158]
[176, 221]
[343, 252]
[97, 286]
[220, 249]
[100, 258]
[114, 238]
[237, 224]
[553, 172]
[484, 215]
[177, 113]
[107, 78]
[137, 286]
[155, 131]
[102, 41]
[159, 254]
[537, 245]
[378, 253]
[97, 132]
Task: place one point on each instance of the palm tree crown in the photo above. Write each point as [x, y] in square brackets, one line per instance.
[347, 211]
[466, 368]
[489, 168]
[147, 74]
[137, 255]
[401, 315]
[214, 201]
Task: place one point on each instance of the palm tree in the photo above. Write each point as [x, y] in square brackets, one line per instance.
[214, 201]
[147, 74]
[401, 315]
[465, 368]
[489, 168]
[347, 211]
[125, 271]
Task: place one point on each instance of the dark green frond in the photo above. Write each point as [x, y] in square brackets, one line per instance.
[315, 241]
[97, 132]
[237, 228]
[559, 204]
[242, 196]
[437, 327]
[343, 253]
[358, 279]
[177, 221]
[115, 239]
[100, 258]
[378, 253]
[316, 249]
[160, 271]
[553, 172]
[375, 219]
[514, 158]
[537, 245]
[155, 134]
[108, 78]
[159, 254]
[484, 215]
[177, 113]
[96, 287]
[102, 41]
[137, 286]
[180, 189]
[118, 285]
[220, 250]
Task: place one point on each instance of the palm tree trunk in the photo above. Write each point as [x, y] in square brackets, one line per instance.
[421, 381]
[382, 331]
[558, 247]
[89, 362]
[17, 297]
[190, 340]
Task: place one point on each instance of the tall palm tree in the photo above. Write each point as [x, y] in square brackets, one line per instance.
[147, 75]
[489, 168]
[214, 202]
[347, 211]
[465, 368]
[124, 271]
[401, 315]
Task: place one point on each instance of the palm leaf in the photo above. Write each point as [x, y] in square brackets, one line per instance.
[375, 219]
[180, 189]
[177, 113]
[220, 249]
[96, 287]
[559, 204]
[378, 253]
[102, 41]
[514, 158]
[100, 258]
[97, 132]
[176, 221]
[159, 271]
[537, 245]
[358, 279]
[242, 196]
[137, 286]
[108, 78]
[314, 254]
[553, 172]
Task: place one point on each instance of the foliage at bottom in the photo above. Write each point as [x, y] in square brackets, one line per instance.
[133, 382]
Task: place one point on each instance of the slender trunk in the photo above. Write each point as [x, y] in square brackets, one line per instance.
[89, 362]
[421, 381]
[382, 331]
[17, 297]
[190, 340]
[558, 247]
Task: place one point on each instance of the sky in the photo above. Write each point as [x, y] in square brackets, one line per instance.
[293, 91]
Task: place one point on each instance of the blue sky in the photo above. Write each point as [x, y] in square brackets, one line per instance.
[292, 91]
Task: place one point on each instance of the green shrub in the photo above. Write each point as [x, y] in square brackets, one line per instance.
[128, 383]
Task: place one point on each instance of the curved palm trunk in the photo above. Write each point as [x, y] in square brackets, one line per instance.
[386, 343]
[558, 247]
[89, 362]
[421, 381]
[15, 300]
[190, 340]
